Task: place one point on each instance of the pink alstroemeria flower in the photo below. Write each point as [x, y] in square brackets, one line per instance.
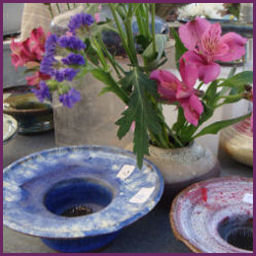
[29, 50]
[173, 90]
[206, 45]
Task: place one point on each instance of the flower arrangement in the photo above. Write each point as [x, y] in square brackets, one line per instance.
[143, 87]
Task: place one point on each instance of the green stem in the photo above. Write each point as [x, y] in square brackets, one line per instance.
[100, 54]
[139, 18]
[146, 11]
[112, 60]
[200, 85]
[68, 5]
[50, 10]
[58, 7]
[128, 27]
[121, 33]
[153, 28]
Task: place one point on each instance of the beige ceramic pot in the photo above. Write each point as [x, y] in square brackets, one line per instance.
[182, 167]
[237, 142]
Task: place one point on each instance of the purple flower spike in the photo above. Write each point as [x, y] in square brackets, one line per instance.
[81, 19]
[70, 98]
[46, 65]
[73, 59]
[71, 42]
[50, 45]
[43, 92]
[65, 74]
[47, 62]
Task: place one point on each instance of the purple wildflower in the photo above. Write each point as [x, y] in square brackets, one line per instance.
[81, 19]
[71, 42]
[70, 98]
[46, 65]
[43, 92]
[74, 59]
[65, 74]
[50, 45]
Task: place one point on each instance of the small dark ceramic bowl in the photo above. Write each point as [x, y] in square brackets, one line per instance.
[32, 115]
[77, 199]
[215, 216]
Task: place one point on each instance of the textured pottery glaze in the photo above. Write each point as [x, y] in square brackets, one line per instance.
[237, 141]
[182, 167]
[10, 127]
[40, 189]
[32, 115]
[215, 216]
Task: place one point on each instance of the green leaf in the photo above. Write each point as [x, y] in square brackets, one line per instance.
[186, 133]
[142, 111]
[148, 54]
[231, 98]
[180, 121]
[217, 126]
[239, 80]
[180, 49]
[112, 85]
[210, 96]
[127, 81]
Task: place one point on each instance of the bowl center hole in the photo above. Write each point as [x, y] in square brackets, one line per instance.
[78, 197]
[237, 231]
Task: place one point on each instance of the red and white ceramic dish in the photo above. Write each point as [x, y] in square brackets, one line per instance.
[215, 216]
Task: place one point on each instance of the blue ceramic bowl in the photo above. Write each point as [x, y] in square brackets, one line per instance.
[78, 198]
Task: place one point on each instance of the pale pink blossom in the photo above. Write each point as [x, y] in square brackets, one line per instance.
[206, 45]
[170, 88]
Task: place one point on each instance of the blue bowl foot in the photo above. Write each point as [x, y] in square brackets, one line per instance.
[80, 244]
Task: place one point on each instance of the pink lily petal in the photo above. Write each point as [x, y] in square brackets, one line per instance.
[167, 84]
[193, 108]
[191, 33]
[16, 61]
[189, 75]
[236, 46]
[38, 38]
[207, 71]
[210, 42]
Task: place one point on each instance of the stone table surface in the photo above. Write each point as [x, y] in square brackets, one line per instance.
[150, 234]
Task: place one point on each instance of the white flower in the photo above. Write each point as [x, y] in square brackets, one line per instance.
[208, 10]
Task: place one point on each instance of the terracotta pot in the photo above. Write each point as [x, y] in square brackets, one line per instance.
[182, 167]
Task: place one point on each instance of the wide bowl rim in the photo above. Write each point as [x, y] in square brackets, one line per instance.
[14, 111]
[67, 235]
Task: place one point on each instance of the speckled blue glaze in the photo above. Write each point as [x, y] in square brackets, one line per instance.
[36, 189]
